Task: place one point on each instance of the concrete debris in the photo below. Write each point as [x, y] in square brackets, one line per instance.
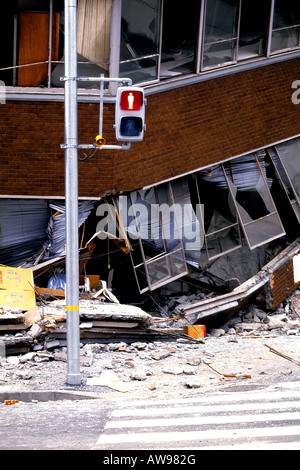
[161, 367]
[145, 353]
[44, 328]
[111, 380]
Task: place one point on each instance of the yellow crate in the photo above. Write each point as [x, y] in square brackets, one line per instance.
[16, 279]
[16, 288]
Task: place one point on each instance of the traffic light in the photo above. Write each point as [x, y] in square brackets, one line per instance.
[130, 114]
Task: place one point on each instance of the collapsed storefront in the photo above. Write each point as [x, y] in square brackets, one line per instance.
[216, 229]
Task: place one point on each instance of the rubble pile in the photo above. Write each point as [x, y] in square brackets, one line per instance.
[126, 348]
[44, 327]
[160, 366]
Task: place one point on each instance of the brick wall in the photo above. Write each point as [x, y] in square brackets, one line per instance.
[282, 283]
[187, 128]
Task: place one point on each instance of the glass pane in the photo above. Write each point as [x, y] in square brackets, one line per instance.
[220, 20]
[286, 13]
[166, 267]
[253, 201]
[220, 221]
[158, 256]
[219, 53]
[253, 28]
[286, 23]
[140, 70]
[263, 230]
[223, 241]
[285, 39]
[282, 174]
[179, 37]
[139, 38]
[289, 153]
[139, 28]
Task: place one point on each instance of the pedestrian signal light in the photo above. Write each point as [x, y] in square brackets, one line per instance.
[130, 114]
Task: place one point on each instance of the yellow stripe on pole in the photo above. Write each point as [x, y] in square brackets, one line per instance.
[72, 307]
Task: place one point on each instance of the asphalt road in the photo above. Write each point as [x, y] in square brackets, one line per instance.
[266, 418]
[53, 425]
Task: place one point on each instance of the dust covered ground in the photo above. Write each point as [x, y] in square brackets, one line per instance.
[162, 369]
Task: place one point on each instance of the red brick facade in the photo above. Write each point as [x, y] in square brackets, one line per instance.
[282, 283]
[187, 128]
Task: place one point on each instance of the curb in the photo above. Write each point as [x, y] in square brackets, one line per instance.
[46, 395]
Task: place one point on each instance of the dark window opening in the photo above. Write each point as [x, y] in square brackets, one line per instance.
[254, 23]
[179, 37]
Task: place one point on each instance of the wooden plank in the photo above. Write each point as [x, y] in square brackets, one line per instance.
[16, 350]
[12, 327]
[49, 292]
[34, 46]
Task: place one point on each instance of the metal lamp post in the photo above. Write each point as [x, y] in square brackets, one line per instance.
[71, 194]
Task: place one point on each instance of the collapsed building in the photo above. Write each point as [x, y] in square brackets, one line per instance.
[209, 200]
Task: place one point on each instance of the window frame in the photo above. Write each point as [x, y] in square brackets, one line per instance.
[244, 224]
[165, 255]
[228, 227]
[199, 68]
[272, 30]
[283, 176]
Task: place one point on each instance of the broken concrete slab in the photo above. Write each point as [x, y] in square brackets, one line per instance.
[220, 309]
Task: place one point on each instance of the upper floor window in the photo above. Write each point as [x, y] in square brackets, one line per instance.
[206, 35]
[285, 25]
[233, 31]
[159, 39]
[33, 32]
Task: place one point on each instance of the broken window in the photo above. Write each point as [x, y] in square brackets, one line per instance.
[33, 34]
[159, 39]
[179, 37]
[254, 22]
[140, 33]
[34, 53]
[152, 227]
[221, 227]
[286, 25]
[285, 158]
[246, 179]
[93, 42]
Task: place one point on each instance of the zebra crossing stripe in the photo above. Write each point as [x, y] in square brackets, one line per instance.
[198, 436]
[220, 408]
[232, 398]
[206, 422]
